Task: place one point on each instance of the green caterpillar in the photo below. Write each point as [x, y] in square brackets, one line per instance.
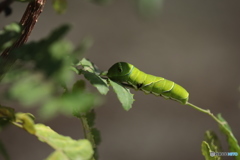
[125, 72]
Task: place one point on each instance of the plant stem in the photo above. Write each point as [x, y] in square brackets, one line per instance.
[87, 131]
[28, 21]
[207, 111]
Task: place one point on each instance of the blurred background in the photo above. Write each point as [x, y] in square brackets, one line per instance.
[194, 43]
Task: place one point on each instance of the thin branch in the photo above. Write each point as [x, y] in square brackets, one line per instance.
[206, 111]
[28, 21]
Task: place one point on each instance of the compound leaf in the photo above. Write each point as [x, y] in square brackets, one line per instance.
[123, 94]
[65, 146]
[232, 141]
[9, 35]
[211, 144]
[96, 81]
[206, 150]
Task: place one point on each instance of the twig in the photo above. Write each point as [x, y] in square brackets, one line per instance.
[28, 21]
[206, 111]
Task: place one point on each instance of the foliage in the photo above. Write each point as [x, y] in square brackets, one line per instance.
[9, 34]
[34, 83]
[66, 147]
[90, 132]
[123, 94]
[92, 74]
[232, 141]
[211, 144]
[47, 75]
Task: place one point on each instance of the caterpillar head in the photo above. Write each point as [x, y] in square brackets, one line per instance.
[119, 71]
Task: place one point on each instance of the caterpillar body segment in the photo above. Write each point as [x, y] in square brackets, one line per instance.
[126, 73]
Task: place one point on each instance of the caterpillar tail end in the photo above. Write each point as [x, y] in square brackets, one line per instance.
[184, 101]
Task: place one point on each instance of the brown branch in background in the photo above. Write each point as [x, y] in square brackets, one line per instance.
[5, 4]
[28, 21]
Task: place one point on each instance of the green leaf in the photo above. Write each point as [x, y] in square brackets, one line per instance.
[123, 94]
[60, 6]
[7, 113]
[97, 139]
[49, 68]
[232, 141]
[43, 49]
[52, 56]
[149, 7]
[70, 102]
[74, 69]
[91, 133]
[96, 135]
[14, 74]
[89, 66]
[91, 116]
[212, 139]
[97, 82]
[9, 35]
[206, 151]
[91, 73]
[211, 144]
[79, 86]
[57, 155]
[30, 90]
[66, 147]
[25, 121]
[3, 151]
[87, 130]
